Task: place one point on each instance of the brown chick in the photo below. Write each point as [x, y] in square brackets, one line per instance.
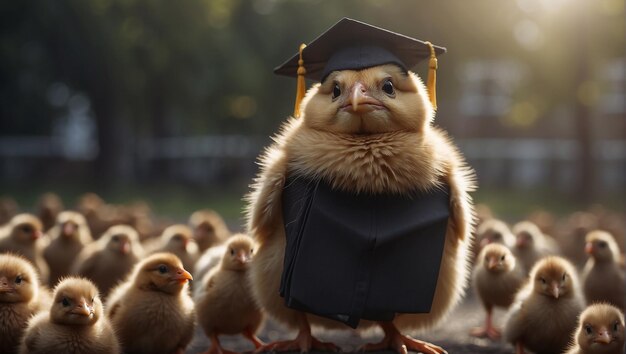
[23, 236]
[571, 236]
[497, 277]
[209, 229]
[74, 324]
[531, 244]
[67, 239]
[8, 209]
[48, 208]
[110, 259]
[152, 311]
[20, 298]
[544, 313]
[366, 131]
[494, 231]
[225, 304]
[177, 239]
[603, 279]
[600, 331]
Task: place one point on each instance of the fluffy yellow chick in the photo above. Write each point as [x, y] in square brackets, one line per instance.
[74, 324]
[177, 239]
[209, 229]
[23, 235]
[67, 239]
[494, 231]
[110, 259]
[224, 303]
[20, 298]
[152, 311]
[600, 331]
[497, 277]
[366, 131]
[531, 244]
[603, 279]
[544, 313]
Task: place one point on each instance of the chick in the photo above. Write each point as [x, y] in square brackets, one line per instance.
[209, 229]
[8, 209]
[497, 277]
[110, 259]
[48, 208]
[74, 324]
[23, 235]
[603, 279]
[177, 239]
[152, 311]
[224, 303]
[67, 239]
[571, 236]
[20, 298]
[531, 244]
[544, 313]
[600, 331]
[494, 231]
[363, 131]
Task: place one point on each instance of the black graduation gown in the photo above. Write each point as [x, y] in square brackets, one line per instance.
[361, 256]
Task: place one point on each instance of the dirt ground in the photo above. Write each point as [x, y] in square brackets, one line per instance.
[452, 335]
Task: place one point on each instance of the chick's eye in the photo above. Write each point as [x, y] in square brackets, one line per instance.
[615, 326]
[65, 302]
[252, 250]
[18, 279]
[115, 238]
[588, 329]
[388, 88]
[543, 281]
[162, 269]
[336, 91]
[502, 258]
[232, 252]
[602, 244]
[26, 229]
[564, 276]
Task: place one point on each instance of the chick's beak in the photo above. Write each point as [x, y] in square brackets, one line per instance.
[603, 336]
[36, 234]
[68, 229]
[360, 100]
[242, 257]
[4, 285]
[589, 248]
[124, 247]
[493, 262]
[83, 309]
[554, 290]
[182, 276]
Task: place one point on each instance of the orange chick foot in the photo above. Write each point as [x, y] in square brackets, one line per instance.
[486, 332]
[401, 343]
[303, 343]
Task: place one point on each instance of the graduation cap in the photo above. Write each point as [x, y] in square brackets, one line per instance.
[355, 45]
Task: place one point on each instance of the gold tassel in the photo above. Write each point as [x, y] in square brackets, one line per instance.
[301, 85]
[431, 84]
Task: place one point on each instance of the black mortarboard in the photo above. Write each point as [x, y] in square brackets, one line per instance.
[354, 45]
[361, 256]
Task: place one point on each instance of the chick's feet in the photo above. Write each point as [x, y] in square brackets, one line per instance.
[303, 343]
[394, 340]
[486, 332]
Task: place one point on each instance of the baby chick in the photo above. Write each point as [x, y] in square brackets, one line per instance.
[8, 209]
[603, 279]
[177, 239]
[209, 229]
[110, 259]
[544, 313]
[600, 331]
[48, 208]
[366, 131]
[74, 324]
[531, 244]
[67, 239]
[494, 231]
[224, 303]
[152, 311]
[20, 298]
[23, 236]
[497, 277]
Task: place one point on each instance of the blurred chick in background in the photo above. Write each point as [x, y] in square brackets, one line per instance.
[603, 279]
[152, 311]
[494, 231]
[497, 277]
[48, 208]
[600, 331]
[110, 259]
[23, 236]
[75, 323]
[209, 229]
[67, 239]
[224, 302]
[545, 310]
[571, 236]
[531, 244]
[8, 209]
[176, 239]
[20, 298]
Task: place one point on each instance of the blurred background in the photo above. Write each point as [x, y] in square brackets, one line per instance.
[171, 102]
